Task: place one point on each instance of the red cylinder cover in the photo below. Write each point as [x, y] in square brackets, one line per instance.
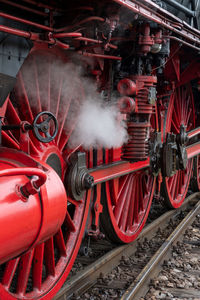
[25, 222]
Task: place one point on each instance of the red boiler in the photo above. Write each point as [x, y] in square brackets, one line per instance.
[31, 208]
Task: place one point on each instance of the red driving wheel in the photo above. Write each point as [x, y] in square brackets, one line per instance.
[127, 201]
[43, 85]
[180, 112]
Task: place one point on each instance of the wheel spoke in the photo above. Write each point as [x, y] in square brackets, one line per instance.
[25, 96]
[39, 105]
[24, 272]
[38, 266]
[136, 202]
[122, 200]
[131, 208]
[49, 257]
[59, 97]
[126, 207]
[142, 194]
[69, 222]
[67, 106]
[181, 109]
[8, 141]
[36, 274]
[9, 272]
[59, 239]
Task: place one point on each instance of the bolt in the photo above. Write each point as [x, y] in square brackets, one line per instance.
[88, 181]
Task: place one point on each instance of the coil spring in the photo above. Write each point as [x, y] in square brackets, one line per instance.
[137, 147]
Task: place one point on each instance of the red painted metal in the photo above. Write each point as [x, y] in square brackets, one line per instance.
[180, 112]
[10, 17]
[23, 7]
[192, 71]
[127, 87]
[196, 174]
[111, 171]
[126, 105]
[193, 132]
[41, 271]
[89, 19]
[181, 42]
[193, 150]
[188, 32]
[32, 214]
[127, 199]
[103, 56]
[34, 36]
[145, 40]
[66, 34]
[29, 35]
[128, 202]
[137, 147]
[89, 40]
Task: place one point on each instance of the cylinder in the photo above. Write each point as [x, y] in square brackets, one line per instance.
[28, 221]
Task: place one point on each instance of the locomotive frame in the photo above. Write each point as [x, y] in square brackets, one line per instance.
[142, 57]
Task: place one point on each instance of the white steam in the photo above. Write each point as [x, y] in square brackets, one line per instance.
[98, 126]
[62, 87]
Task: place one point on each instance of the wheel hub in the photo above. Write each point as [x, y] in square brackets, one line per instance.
[54, 161]
[174, 155]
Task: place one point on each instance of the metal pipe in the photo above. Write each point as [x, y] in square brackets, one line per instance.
[90, 19]
[103, 56]
[179, 6]
[193, 132]
[32, 36]
[183, 42]
[42, 176]
[41, 13]
[67, 34]
[193, 150]
[18, 32]
[89, 40]
[7, 16]
[39, 4]
[146, 12]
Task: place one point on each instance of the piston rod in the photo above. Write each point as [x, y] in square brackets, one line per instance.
[111, 171]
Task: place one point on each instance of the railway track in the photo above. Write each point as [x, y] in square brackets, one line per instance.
[126, 271]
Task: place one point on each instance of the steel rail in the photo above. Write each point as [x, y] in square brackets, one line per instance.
[141, 284]
[88, 277]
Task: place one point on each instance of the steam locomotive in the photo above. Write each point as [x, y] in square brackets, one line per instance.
[138, 57]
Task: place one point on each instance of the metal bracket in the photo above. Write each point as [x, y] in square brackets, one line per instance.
[169, 156]
[155, 146]
[78, 178]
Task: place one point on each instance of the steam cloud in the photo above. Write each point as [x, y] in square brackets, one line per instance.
[98, 126]
[80, 110]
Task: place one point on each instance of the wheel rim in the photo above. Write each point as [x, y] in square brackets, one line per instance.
[128, 203]
[41, 271]
[180, 112]
[127, 200]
